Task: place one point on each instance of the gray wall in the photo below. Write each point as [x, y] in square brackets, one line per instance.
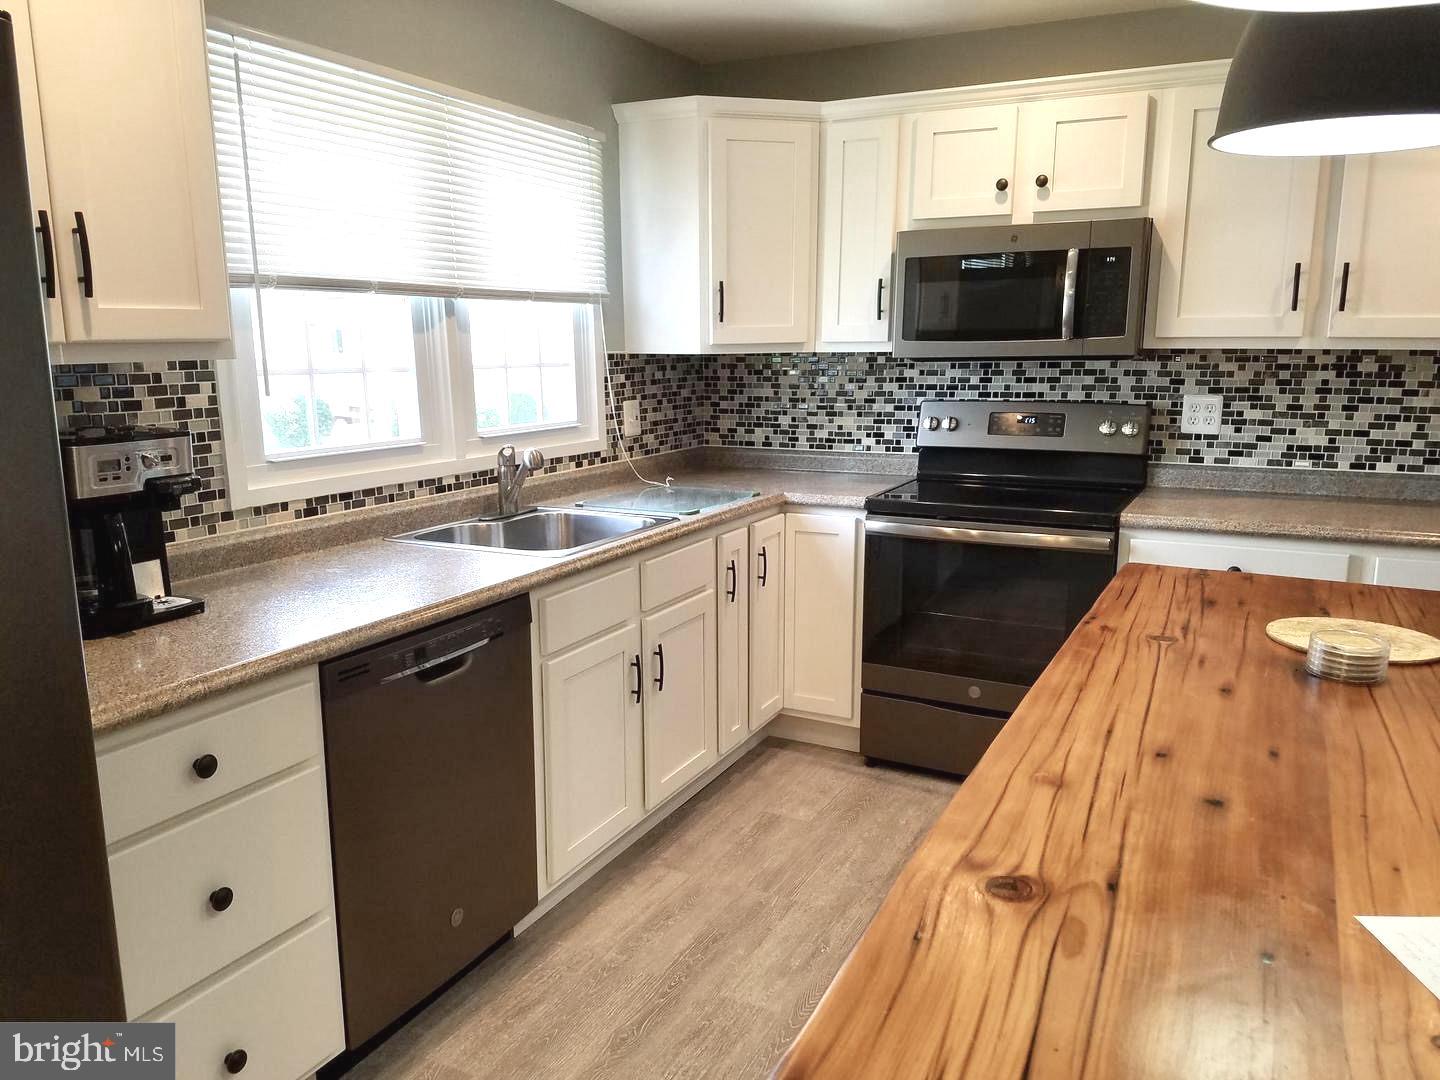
[536, 54]
[1107, 42]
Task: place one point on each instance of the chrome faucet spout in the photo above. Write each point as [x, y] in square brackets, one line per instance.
[511, 473]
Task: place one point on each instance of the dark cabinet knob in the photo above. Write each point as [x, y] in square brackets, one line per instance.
[1001, 184]
[236, 1060]
[1234, 570]
[1042, 181]
[205, 766]
[222, 898]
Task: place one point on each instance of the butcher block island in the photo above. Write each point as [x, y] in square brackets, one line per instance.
[1155, 869]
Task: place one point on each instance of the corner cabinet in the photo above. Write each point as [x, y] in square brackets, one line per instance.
[857, 214]
[718, 218]
[131, 226]
[820, 598]
[1215, 206]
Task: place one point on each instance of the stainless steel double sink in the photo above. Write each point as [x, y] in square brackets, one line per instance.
[539, 531]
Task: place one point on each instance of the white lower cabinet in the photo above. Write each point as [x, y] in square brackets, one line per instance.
[819, 649]
[767, 620]
[273, 1017]
[591, 720]
[220, 871]
[732, 638]
[680, 735]
[1409, 568]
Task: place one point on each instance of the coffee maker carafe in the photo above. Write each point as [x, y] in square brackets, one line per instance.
[119, 481]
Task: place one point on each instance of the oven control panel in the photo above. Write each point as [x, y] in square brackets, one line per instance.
[1084, 427]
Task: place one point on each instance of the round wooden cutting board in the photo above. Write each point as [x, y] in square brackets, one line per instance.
[1406, 646]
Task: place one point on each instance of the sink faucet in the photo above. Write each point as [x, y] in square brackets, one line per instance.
[512, 474]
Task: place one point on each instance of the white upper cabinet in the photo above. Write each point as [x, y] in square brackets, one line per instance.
[134, 199]
[1236, 232]
[858, 193]
[44, 217]
[762, 210]
[1386, 279]
[964, 163]
[1083, 153]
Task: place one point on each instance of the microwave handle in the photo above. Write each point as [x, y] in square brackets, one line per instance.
[1067, 305]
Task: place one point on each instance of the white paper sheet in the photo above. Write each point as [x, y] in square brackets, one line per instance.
[1413, 940]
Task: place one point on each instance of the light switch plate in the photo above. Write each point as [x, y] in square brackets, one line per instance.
[630, 419]
[1201, 414]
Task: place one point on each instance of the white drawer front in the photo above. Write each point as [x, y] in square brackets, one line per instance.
[271, 848]
[1283, 562]
[1408, 573]
[281, 1009]
[585, 610]
[250, 734]
[669, 577]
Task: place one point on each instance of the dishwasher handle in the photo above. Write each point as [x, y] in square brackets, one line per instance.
[441, 667]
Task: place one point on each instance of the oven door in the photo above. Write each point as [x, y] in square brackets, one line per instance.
[969, 614]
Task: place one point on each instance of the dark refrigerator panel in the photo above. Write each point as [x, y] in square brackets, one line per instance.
[57, 938]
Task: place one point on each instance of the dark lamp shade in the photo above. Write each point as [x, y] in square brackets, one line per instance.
[1312, 5]
[1353, 82]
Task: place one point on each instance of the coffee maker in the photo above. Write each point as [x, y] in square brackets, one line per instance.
[119, 481]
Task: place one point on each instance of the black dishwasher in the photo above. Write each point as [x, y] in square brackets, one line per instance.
[430, 755]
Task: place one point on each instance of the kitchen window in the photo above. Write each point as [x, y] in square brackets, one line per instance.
[415, 274]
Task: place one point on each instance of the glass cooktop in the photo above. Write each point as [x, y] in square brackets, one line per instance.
[962, 500]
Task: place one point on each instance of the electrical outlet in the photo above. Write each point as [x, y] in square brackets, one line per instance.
[630, 419]
[1201, 414]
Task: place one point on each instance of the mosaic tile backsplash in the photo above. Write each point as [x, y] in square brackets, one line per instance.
[1349, 410]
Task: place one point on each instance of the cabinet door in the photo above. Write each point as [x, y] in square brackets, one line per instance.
[820, 614]
[858, 229]
[1089, 152]
[732, 661]
[1407, 573]
[1236, 232]
[679, 695]
[964, 163]
[1387, 278]
[762, 230]
[591, 710]
[35, 165]
[767, 620]
[129, 146]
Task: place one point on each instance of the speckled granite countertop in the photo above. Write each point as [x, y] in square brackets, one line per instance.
[1369, 521]
[274, 616]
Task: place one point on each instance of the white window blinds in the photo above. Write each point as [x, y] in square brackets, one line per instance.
[333, 177]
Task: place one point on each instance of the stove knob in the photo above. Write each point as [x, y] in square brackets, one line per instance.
[932, 423]
[951, 423]
[1130, 429]
[1107, 427]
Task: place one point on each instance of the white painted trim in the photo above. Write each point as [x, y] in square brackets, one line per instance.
[1161, 77]
[704, 106]
[807, 729]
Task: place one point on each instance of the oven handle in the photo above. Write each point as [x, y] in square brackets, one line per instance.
[965, 532]
[1067, 304]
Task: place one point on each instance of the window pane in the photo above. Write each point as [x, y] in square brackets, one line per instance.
[342, 371]
[524, 357]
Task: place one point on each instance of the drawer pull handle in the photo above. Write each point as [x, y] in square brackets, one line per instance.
[205, 766]
[236, 1060]
[1233, 570]
[221, 899]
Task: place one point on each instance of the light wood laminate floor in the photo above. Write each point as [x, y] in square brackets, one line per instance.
[702, 950]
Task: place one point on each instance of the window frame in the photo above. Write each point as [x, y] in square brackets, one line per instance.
[448, 444]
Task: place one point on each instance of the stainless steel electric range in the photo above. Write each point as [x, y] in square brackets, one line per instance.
[978, 569]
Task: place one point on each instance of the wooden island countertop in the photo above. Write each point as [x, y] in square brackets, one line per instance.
[1154, 871]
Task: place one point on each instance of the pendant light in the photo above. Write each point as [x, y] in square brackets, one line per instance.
[1313, 5]
[1355, 82]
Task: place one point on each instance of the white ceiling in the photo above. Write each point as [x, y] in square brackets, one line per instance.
[714, 30]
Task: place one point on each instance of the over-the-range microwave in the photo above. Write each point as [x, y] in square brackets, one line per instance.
[1074, 288]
